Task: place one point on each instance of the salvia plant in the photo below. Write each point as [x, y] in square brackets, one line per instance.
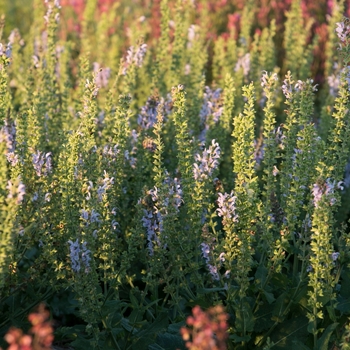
[171, 162]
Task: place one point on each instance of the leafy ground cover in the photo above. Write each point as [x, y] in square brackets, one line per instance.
[174, 174]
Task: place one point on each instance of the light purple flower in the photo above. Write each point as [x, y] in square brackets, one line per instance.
[135, 56]
[205, 251]
[148, 114]
[335, 256]
[211, 107]
[227, 207]
[227, 274]
[214, 272]
[222, 257]
[244, 64]
[207, 163]
[101, 75]
[17, 192]
[79, 253]
[42, 163]
[107, 183]
[342, 31]
[287, 89]
[94, 216]
[325, 189]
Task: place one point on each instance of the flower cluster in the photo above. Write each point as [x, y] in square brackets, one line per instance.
[41, 160]
[208, 162]
[153, 222]
[212, 107]
[342, 30]
[326, 188]
[110, 153]
[107, 183]
[7, 51]
[90, 217]
[155, 214]
[16, 190]
[267, 80]
[333, 83]
[244, 64]
[135, 56]
[79, 254]
[8, 135]
[40, 336]
[50, 11]
[213, 270]
[227, 207]
[208, 329]
[102, 75]
[259, 152]
[148, 115]
[287, 89]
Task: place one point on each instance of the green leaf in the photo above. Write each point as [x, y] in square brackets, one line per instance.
[279, 307]
[263, 318]
[331, 313]
[343, 305]
[311, 327]
[289, 331]
[204, 303]
[159, 324]
[148, 333]
[81, 344]
[322, 343]
[280, 281]
[269, 297]
[155, 347]
[174, 328]
[134, 302]
[210, 290]
[127, 326]
[238, 339]
[299, 345]
[136, 316]
[70, 332]
[113, 319]
[260, 275]
[345, 283]
[171, 341]
[244, 318]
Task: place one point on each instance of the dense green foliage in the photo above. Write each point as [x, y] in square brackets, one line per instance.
[141, 176]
